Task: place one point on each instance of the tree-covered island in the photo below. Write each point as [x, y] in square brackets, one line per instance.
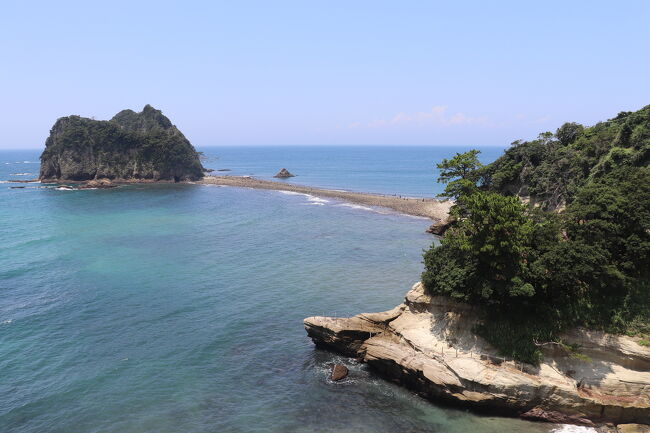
[131, 147]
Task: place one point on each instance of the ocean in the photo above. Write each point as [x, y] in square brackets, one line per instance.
[179, 308]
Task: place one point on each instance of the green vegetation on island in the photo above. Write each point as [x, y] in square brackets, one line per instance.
[130, 146]
[554, 234]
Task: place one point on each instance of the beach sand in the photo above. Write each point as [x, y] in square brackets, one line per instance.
[422, 207]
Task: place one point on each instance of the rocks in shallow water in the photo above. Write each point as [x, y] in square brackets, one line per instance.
[438, 228]
[339, 371]
[98, 183]
[284, 173]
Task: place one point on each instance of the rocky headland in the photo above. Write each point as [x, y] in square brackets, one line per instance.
[427, 344]
[132, 146]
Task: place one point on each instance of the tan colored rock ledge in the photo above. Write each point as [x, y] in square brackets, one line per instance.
[427, 344]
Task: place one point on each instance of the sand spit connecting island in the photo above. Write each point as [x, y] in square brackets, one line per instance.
[421, 207]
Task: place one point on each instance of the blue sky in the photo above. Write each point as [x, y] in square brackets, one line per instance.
[324, 72]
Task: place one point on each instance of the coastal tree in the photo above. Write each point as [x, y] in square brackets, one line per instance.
[569, 132]
[482, 258]
[460, 174]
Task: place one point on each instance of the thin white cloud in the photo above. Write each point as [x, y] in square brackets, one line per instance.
[525, 119]
[437, 116]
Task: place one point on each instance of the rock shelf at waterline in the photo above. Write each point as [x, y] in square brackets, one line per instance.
[427, 344]
[422, 207]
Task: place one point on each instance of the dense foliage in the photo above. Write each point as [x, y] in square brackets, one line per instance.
[537, 272]
[554, 167]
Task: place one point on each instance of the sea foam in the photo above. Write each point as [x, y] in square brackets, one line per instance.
[358, 206]
[568, 428]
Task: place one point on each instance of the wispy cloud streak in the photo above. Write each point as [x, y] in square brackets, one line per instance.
[437, 116]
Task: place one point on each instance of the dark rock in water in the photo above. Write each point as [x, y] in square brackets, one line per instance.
[439, 228]
[339, 372]
[131, 146]
[284, 173]
[208, 170]
[224, 169]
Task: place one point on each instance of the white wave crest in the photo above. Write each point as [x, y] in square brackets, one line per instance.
[7, 322]
[316, 200]
[310, 198]
[357, 206]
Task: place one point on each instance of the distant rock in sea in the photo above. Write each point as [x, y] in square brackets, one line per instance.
[284, 173]
[129, 147]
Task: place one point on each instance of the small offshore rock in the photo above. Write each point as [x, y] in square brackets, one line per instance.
[284, 173]
[339, 371]
[208, 170]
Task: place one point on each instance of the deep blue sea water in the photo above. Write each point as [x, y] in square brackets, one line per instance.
[178, 308]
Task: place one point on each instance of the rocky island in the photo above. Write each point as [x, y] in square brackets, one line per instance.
[132, 146]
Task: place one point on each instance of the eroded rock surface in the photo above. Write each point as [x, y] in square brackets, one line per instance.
[427, 344]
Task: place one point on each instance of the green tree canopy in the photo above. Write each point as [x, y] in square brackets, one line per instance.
[460, 173]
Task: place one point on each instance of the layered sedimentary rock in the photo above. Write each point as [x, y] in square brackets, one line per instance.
[131, 146]
[427, 344]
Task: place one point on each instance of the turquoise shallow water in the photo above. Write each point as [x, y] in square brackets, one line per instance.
[178, 308]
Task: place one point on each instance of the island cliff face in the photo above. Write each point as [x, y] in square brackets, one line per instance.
[427, 344]
[129, 147]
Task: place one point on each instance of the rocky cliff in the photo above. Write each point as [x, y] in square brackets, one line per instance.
[427, 344]
[131, 146]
